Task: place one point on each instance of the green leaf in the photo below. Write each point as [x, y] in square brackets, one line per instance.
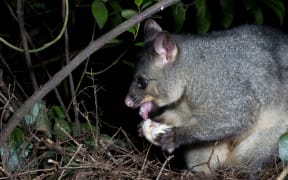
[138, 3]
[38, 119]
[134, 30]
[115, 19]
[17, 137]
[15, 151]
[139, 44]
[58, 112]
[146, 4]
[32, 116]
[116, 41]
[203, 18]
[40, 5]
[115, 5]
[100, 13]
[258, 16]
[178, 12]
[227, 12]
[128, 13]
[43, 123]
[249, 4]
[61, 127]
[278, 7]
[283, 148]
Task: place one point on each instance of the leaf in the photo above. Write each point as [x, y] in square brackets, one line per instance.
[258, 16]
[138, 3]
[15, 151]
[203, 18]
[128, 13]
[115, 5]
[249, 4]
[58, 112]
[43, 123]
[38, 118]
[133, 30]
[283, 148]
[178, 12]
[100, 13]
[89, 128]
[61, 127]
[227, 12]
[139, 44]
[40, 5]
[116, 41]
[32, 116]
[17, 137]
[278, 7]
[146, 4]
[115, 19]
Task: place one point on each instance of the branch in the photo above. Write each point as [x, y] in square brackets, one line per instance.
[76, 61]
[20, 12]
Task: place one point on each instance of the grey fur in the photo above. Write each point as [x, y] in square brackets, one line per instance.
[225, 81]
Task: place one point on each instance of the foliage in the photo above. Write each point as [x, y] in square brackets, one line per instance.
[100, 13]
[51, 124]
[283, 148]
[204, 15]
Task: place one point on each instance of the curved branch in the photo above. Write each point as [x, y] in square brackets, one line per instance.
[76, 61]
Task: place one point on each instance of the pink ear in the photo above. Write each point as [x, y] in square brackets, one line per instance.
[165, 47]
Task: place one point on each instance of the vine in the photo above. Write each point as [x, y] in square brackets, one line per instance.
[46, 45]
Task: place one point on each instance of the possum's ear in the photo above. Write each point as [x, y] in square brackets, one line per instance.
[151, 29]
[165, 48]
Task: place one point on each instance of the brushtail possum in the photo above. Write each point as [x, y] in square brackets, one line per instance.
[225, 92]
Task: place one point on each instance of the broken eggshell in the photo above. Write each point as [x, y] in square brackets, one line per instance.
[152, 129]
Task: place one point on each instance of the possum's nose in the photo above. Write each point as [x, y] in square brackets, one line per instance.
[129, 102]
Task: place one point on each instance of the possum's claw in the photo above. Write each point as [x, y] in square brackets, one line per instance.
[166, 140]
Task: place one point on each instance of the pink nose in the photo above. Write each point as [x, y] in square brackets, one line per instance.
[129, 102]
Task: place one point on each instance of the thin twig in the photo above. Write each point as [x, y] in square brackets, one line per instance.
[71, 81]
[144, 163]
[67, 134]
[13, 76]
[60, 100]
[110, 66]
[163, 166]
[70, 161]
[20, 13]
[96, 111]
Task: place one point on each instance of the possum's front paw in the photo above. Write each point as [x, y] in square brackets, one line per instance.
[166, 140]
[152, 130]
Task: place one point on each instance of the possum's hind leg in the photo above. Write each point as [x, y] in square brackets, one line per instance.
[206, 158]
[259, 147]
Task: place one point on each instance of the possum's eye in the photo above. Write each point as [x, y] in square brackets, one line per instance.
[141, 82]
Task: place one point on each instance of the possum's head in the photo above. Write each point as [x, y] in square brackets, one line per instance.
[151, 86]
